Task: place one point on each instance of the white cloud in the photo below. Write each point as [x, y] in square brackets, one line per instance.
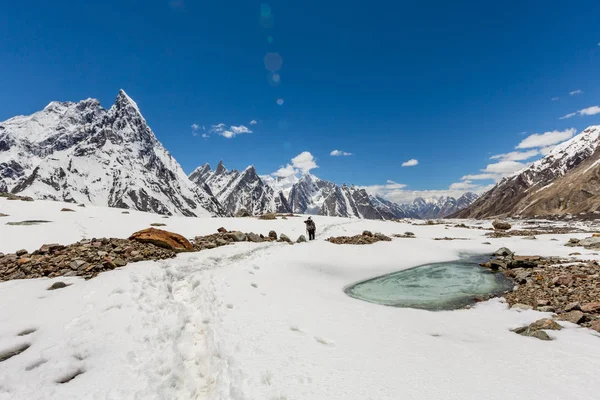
[233, 130]
[555, 98]
[516, 155]
[546, 139]
[253, 122]
[464, 185]
[593, 110]
[398, 193]
[479, 177]
[205, 136]
[545, 150]
[574, 92]
[504, 168]
[285, 172]
[304, 162]
[339, 153]
[410, 163]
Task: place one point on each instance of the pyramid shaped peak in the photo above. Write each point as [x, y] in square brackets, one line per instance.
[220, 168]
[124, 101]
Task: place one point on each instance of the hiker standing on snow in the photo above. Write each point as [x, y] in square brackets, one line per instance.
[310, 228]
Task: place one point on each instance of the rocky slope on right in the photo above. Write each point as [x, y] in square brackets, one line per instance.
[566, 181]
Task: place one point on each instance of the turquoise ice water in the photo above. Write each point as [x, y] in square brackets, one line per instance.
[441, 286]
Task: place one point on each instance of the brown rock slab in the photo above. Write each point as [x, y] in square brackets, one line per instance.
[162, 238]
[574, 317]
[591, 308]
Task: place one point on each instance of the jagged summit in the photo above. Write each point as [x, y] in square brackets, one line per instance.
[570, 166]
[81, 152]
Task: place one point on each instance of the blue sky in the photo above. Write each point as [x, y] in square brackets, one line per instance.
[449, 84]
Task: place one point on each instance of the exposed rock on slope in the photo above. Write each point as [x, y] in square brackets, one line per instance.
[566, 181]
[81, 152]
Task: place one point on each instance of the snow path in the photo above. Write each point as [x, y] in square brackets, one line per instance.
[270, 321]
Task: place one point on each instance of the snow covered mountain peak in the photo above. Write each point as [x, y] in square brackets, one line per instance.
[81, 152]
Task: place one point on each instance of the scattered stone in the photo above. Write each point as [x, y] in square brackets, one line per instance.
[161, 238]
[539, 335]
[563, 280]
[236, 236]
[592, 308]
[253, 237]
[125, 212]
[119, 262]
[273, 235]
[485, 243]
[537, 329]
[546, 309]
[81, 205]
[503, 252]
[67, 210]
[3, 215]
[284, 238]
[222, 230]
[522, 307]
[595, 325]
[21, 252]
[268, 216]
[367, 233]
[57, 285]
[359, 239]
[500, 225]
[541, 303]
[575, 306]
[574, 254]
[574, 316]
[158, 224]
[221, 242]
[301, 239]
[409, 234]
[545, 323]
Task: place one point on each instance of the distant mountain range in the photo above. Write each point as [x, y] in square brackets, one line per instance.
[83, 153]
[566, 181]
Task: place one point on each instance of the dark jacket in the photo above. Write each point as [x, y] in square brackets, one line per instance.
[310, 225]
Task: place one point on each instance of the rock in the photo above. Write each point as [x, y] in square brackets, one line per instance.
[529, 238]
[284, 238]
[236, 236]
[503, 252]
[3, 215]
[119, 262]
[595, 325]
[158, 224]
[495, 265]
[574, 316]
[268, 216]
[21, 252]
[501, 226]
[76, 264]
[273, 235]
[125, 212]
[521, 277]
[539, 335]
[301, 239]
[573, 306]
[57, 285]
[541, 303]
[382, 237]
[367, 233]
[591, 308]
[546, 309]
[81, 205]
[485, 243]
[590, 243]
[221, 242]
[253, 237]
[524, 262]
[409, 234]
[574, 254]
[161, 238]
[522, 307]
[222, 230]
[563, 280]
[243, 213]
[24, 260]
[67, 210]
[545, 323]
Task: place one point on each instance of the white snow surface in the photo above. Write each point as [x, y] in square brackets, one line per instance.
[271, 321]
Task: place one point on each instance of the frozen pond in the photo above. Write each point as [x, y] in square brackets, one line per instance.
[440, 286]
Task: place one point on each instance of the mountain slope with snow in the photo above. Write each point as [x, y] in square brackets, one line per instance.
[439, 207]
[516, 195]
[83, 153]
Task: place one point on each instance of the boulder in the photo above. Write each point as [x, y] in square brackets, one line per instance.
[524, 262]
[381, 236]
[573, 306]
[522, 307]
[284, 238]
[57, 285]
[539, 335]
[158, 224]
[21, 252]
[243, 213]
[500, 225]
[253, 237]
[162, 238]
[268, 216]
[301, 239]
[273, 235]
[503, 252]
[595, 325]
[591, 308]
[563, 280]
[495, 265]
[222, 230]
[590, 243]
[574, 316]
[545, 323]
[119, 262]
[67, 210]
[367, 233]
[236, 236]
[546, 309]
[409, 234]
[521, 277]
